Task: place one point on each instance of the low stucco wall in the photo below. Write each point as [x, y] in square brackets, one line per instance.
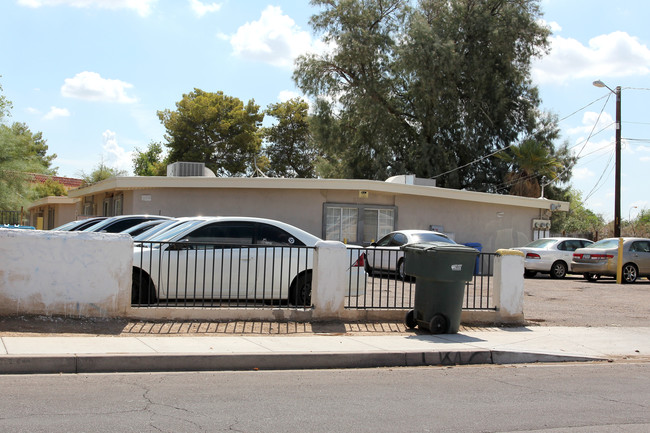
[65, 273]
[89, 275]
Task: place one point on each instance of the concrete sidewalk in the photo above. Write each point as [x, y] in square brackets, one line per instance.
[91, 354]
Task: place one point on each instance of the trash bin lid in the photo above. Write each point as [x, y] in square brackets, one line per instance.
[434, 247]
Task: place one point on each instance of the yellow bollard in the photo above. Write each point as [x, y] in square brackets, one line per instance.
[619, 262]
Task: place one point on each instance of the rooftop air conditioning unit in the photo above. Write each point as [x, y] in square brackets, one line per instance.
[185, 169]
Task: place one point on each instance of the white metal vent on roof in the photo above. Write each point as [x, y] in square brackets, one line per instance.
[186, 169]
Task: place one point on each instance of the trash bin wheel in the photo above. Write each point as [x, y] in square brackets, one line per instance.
[438, 324]
[409, 319]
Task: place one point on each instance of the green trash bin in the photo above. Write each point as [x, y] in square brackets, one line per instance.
[441, 271]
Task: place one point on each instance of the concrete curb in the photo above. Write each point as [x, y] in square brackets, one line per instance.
[125, 363]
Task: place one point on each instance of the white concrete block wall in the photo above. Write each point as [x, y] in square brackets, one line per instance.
[89, 275]
[329, 280]
[65, 273]
[509, 286]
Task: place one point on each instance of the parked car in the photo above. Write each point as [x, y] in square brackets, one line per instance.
[229, 258]
[78, 225]
[551, 256]
[144, 226]
[120, 223]
[386, 255]
[164, 226]
[601, 259]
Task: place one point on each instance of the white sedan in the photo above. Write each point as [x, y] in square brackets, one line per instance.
[551, 256]
[386, 254]
[230, 258]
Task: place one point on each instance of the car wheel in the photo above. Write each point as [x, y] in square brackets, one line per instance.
[143, 291]
[400, 270]
[368, 268]
[630, 273]
[591, 277]
[529, 274]
[300, 292]
[558, 270]
[438, 324]
[409, 319]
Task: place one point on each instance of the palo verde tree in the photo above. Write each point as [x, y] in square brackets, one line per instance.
[289, 147]
[149, 162]
[424, 87]
[101, 172]
[216, 129]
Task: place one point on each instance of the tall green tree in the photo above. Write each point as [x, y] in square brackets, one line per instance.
[216, 129]
[101, 172]
[149, 162]
[578, 220]
[289, 146]
[425, 87]
[21, 153]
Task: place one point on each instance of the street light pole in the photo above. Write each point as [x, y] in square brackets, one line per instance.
[617, 184]
[617, 190]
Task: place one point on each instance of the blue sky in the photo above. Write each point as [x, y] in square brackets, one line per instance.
[91, 75]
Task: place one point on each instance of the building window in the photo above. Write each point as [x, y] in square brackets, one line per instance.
[50, 218]
[117, 205]
[357, 224]
[341, 224]
[89, 208]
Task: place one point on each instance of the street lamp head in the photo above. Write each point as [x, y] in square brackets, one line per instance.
[599, 83]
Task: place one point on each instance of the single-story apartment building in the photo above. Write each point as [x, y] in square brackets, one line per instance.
[348, 210]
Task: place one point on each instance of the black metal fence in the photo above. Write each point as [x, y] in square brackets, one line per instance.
[206, 275]
[167, 274]
[389, 288]
[13, 217]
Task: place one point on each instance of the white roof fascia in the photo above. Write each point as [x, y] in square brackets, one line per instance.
[148, 182]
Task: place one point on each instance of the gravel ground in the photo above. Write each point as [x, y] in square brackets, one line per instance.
[574, 301]
[571, 301]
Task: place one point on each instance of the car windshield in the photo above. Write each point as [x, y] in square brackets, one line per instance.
[430, 237]
[605, 243]
[168, 234]
[541, 243]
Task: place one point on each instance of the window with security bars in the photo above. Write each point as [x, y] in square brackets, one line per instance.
[377, 223]
[341, 224]
[357, 224]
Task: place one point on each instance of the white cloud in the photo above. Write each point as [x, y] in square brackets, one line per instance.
[553, 26]
[32, 110]
[581, 173]
[613, 55]
[117, 157]
[201, 8]
[274, 38]
[142, 7]
[589, 119]
[286, 95]
[92, 87]
[57, 112]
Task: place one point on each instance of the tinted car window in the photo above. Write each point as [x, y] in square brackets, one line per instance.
[123, 224]
[399, 239]
[385, 241]
[275, 236]
[223, 233]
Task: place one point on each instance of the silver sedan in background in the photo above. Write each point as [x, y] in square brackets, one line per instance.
[551, 256]
[386, 255]
[601, 258]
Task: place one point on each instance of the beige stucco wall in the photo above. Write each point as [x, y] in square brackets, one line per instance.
[494, 226]
[495, 221]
